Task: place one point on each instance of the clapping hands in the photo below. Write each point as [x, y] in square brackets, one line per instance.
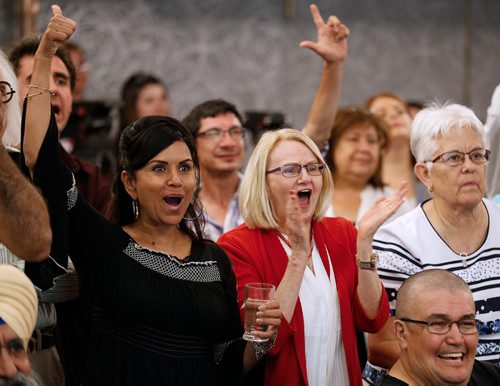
[380, 212]
[298, 226]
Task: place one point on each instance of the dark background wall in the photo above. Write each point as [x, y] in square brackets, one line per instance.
[247, 51]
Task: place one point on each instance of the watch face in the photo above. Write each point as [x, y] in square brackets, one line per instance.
[369, 265]
[366, 265]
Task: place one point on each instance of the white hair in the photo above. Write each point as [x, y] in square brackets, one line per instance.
[435, 122]
[12, 117]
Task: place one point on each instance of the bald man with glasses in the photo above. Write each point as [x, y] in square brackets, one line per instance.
[437, 333]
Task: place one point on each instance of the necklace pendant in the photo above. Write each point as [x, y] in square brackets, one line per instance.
[464, 255]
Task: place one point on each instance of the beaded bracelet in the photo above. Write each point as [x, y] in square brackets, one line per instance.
[43, 90]
[261, 348]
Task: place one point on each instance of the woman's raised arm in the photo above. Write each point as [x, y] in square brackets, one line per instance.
[37, 104]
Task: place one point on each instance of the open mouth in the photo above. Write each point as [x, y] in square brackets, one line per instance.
[455, 356]
[304, 197]
[173, 201]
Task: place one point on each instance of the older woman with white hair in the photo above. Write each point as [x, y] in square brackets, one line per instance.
[285, 241]
[11, 121]
[457, 229]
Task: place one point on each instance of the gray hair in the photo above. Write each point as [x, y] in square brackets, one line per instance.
[21, 379]
[12, 134]
[435, 122]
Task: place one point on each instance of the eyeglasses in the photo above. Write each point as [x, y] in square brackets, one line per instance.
[6, 91]
[218, 134]
[293, 170]
[443, 326]
[455, 158]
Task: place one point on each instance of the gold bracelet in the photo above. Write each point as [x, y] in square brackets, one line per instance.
[43, 90]
[368, 265]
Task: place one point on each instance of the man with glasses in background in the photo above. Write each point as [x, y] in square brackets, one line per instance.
[437, 333]
[219, 133]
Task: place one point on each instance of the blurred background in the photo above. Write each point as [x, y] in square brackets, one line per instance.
[248, 51]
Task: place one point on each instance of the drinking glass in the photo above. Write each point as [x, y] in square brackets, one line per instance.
[255, 295]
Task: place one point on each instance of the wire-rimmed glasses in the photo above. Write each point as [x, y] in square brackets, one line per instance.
[293, 170]
[443, 326]
[455, 158]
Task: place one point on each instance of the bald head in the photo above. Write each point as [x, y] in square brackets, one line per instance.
[436, 330]
[431, 280]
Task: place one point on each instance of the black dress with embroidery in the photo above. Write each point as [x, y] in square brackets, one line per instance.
[155, 320]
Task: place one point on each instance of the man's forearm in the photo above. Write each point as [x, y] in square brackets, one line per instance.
[24, 220]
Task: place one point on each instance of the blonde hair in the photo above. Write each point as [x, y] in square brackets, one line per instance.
[254, 198]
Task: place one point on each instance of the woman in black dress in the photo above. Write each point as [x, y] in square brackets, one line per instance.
[162, 300]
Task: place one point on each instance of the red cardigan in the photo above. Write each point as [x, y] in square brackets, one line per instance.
[258, 256]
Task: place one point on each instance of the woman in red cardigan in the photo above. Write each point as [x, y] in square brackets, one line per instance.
[324, 272]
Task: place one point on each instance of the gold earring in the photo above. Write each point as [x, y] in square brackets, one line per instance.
[430, 188]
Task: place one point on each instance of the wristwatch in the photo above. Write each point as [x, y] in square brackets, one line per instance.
[369, 265]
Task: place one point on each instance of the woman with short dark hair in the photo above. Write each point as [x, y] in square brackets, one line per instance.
[357, 143]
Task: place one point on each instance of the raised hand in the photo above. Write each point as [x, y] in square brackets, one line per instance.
[298, 226]
[332, 37]
[380, 212]
[38, 110]
[59, 30]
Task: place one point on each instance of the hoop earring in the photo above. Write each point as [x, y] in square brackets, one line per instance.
[135, 209]
[430, 188]
[195, 204]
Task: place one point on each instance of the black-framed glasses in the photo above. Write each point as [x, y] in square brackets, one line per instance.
[6, 91]
[293, 170]
[455, 158]
[443, 326]
[218, 134]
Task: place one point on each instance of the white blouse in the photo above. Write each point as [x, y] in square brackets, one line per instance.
[325, 356]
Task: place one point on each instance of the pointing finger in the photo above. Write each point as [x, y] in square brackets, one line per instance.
[317, 19]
